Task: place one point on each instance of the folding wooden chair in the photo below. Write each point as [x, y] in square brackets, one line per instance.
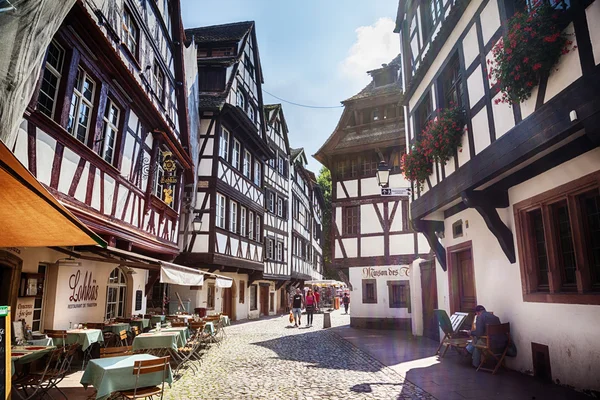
[59, 338]
[148, 367]
[178, 324]
[116, 351]
[123, 338]
[135, 330]
[500, 332]
[450, 327]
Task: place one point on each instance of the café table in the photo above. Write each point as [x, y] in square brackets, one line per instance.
[109, 375]
[155, 319]
[157, 341]
[183, 331]
[22, 355]
[117, 327]
[141, 323]
[40, 342]
[209, 327]
[84, 337]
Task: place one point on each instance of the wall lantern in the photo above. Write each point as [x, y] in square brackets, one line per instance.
[383, 174]
[197, 223]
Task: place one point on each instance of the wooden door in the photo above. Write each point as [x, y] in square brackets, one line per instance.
[264, 300]
[429, 300]
[227, 302]
[465, 282]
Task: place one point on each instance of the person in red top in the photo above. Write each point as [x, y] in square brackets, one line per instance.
[311, 306]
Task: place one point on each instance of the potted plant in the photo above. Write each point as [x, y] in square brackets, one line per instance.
[416, 166]
[443, 136]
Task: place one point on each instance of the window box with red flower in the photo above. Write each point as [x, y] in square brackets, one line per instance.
[443, 135]
[416, 166]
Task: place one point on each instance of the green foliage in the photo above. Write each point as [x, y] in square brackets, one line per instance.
[324, 182]
[416, 166]
[443, 135]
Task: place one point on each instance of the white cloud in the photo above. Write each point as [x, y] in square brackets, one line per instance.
[375, 45]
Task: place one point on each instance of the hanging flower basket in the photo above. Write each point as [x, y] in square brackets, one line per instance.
[531, 49]
[416, 166]
[443, 136]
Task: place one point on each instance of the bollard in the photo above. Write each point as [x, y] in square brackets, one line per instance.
[326, 320]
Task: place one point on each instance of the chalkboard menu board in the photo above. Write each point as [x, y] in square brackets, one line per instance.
[138, 300]
[4, 351]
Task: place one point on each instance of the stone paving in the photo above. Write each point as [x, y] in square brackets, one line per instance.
[269, 359]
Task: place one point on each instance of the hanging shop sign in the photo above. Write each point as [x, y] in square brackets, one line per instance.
[169, 177]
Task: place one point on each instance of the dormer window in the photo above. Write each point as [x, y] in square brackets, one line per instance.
[202, 53]
[241, 100]
[222, 52]
[375, 114]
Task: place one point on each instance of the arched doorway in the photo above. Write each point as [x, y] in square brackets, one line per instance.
[116, 294]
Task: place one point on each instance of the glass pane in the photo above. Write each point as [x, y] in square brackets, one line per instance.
[592, 213]
[72, 109]
[36, 326]
[540, 247]
[112, 295]
[37, 314]
[567, 252]
[37, 303]
[122, 275]
[88, 89]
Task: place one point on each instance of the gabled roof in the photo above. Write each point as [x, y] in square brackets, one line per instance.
[371, 91]
[277, 109]
[233, 32]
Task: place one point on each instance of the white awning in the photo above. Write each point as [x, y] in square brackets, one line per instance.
[180, 275]
[224, 283]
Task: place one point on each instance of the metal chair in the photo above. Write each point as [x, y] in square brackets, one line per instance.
[143, 368]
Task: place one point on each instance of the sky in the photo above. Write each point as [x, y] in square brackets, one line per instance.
[313, 52]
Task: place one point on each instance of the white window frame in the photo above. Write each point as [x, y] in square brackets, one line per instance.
[270, 249]
[78, 101]
[257, 173]
[120, 300]
[251, 225]
[236, 154]
[130, 30]
[158, 174]
[243, 221]
[280, 207]
[233, 216]
[224, 144]
[240, 100]
[279, 251]
[55, 71]
[271, 205]
[247, 164]
[220, 211]
[110, 132]
[281, 166]
[257, 234]
[158, 82]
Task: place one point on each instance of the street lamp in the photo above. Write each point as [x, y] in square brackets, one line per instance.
[383, 174]
[197, 223]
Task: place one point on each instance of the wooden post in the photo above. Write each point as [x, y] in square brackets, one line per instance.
[5, 360]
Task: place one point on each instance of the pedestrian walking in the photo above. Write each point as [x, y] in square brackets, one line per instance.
[311, 306]
[346, 301]
[297, 305]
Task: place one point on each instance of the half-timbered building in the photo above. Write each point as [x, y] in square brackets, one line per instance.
[106, 133]
[302, 262]
[230, 203]
[513, 216]
[370, 233]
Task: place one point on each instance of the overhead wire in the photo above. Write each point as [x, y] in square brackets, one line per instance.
[298, 104]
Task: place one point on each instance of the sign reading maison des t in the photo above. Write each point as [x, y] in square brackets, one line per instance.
[83, 293]
[390, 272]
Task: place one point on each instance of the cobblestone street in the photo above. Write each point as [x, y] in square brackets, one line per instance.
[269, 359]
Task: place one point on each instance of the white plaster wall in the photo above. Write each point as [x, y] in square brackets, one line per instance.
[463, 151]
[397, 221]
[340, 192]
[568, 69]
[67, 169]
[21, 144]
[381, 309]
[568, 330]
[352, 187]
[350, 245]
[369, 222]
[481, 131]
[423, 244]
[490, 18]
[372, 246]
[369, 187]
[45, 148]
[475, 86]
[504, 119]
[398, 181]
[470, 46]
[593, 16]
[416, 294]
[402, 244]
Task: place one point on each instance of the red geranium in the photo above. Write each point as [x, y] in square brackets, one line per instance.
[416, 166]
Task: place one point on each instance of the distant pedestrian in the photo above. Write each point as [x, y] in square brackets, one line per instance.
[297, 305]
[311, 306]
[318, 297]
[346, 301]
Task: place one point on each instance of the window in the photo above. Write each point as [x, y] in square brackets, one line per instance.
[258, 230]
[158, 176]
[342, 169]
[280, 207]
[257, 173]
[235, 159]
[82, 104]
[390, 112]
[369, 165]
[281, 166]
[211, 79]
[241, 99]
[220, 211]
[399, 294]
[233, 216]
[452, 84]
[375, 114]
[353, 168]
[158, 82]
[251, 112]
[270, 248]
[116, 294]
[253, 298]
[559, 243]
[130, 32]
[111, 128]
[423, 114]
[369, 291]
[51, 80]
[271, 201]
[247, 163]
[426, 18]
[250, 225]
[223, 52]
[351, 220]
[279, 251]
[224, 145]
[210, 296]
[38, 303]
[249, 65]
[242, 293]
[243, 221]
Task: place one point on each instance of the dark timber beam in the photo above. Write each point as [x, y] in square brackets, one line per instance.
[279, 285]
[152, 278]
[486, 203]
[592, 129]
[429, 228]
[253, 277]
